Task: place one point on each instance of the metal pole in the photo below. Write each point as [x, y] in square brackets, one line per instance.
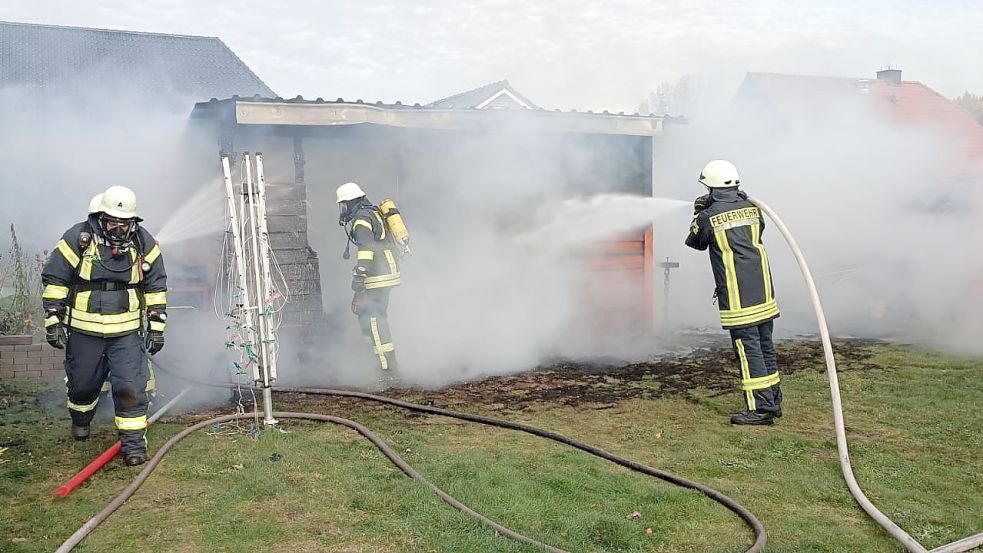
[262, 355]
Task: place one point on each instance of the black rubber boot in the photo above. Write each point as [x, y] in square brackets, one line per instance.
[135, 458]
[756, 418]
[80, 433]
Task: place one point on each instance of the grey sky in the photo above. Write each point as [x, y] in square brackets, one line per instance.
[569, 54]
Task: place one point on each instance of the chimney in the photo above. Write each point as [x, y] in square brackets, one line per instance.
[891, 77]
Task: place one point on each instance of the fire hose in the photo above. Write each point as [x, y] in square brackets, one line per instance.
[834, 388]
[106, 456]
[752, 522]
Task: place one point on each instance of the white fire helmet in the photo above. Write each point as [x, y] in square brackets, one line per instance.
[119, 202]
[349, 191]
[95, 203]
[720, 174]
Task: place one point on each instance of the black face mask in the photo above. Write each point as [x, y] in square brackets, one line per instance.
[118, 232]
[347, 210]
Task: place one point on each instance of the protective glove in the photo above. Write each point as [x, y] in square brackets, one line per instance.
[701, 203]
[358, 300]
[54, 329]
[155, 334]
[155, 341]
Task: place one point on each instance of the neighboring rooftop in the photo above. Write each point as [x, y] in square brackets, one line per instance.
[497, 95]
[48, 57]
[910, 104]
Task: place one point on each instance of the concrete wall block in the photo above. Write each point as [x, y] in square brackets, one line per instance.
[6, 373]
[27, 374]
[15, 354]
[28, 347]
[39, 367]
[15, 340]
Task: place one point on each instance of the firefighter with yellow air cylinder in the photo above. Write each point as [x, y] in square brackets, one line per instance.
[105, 278]
[380, 238]
[730, 226]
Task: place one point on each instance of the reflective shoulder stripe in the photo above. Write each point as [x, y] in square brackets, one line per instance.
[366, 255]
[55, 292]
[152, 255]
[67, 252]
[361, 223]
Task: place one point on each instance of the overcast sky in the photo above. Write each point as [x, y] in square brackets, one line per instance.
[567, 54]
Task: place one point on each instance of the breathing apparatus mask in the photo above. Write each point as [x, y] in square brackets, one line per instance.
[117, 232]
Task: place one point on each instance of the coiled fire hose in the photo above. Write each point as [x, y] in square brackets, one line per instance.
[756, 527]
[834, 388]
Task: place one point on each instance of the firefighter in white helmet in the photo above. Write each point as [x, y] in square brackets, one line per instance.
[103, 279]
[730, 226]
[375, 273]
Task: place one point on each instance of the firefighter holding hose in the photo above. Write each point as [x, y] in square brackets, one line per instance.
[730, 226]
[103, 283]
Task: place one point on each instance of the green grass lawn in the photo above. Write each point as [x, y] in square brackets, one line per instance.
[913, 419]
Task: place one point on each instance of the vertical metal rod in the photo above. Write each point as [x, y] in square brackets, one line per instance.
[242, 295]
[262, 354]
[269, 339]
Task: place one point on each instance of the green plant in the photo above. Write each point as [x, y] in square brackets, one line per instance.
[20, 311]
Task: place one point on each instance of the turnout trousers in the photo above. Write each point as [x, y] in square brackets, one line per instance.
[89, 361]
[755, 353]
[374, 321]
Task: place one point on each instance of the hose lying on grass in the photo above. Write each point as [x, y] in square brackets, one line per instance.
[887, 524]
[740, 510]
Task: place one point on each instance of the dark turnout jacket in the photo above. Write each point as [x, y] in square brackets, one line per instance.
[731, 228]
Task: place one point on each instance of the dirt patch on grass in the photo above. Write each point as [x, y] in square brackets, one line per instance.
[707, 371]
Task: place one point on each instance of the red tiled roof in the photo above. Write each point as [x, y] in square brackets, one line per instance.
[910, 104]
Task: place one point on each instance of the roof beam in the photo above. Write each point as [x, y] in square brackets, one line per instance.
[340, 114]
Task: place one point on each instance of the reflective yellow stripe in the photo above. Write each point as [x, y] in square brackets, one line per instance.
[392, 262]
[85, 272]
[82, 301]
[756, 241]
[727, 255]
[383, 362]
[135, 269]
[55, 292]
[385, 347]
[749, 315]
[384, 282]
[745, 373]
[366, 255]
[747, 311]
[66, 251]
[381, 225]
[761, 382]
[153, 254]
[134, 299]
[106, 328]
[52, 320]
[155, 298]
[100, 318]
[361, 223]
[157, 325]
[83, 408]
[131, 423]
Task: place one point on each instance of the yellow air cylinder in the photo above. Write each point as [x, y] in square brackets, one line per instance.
[395, 224]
